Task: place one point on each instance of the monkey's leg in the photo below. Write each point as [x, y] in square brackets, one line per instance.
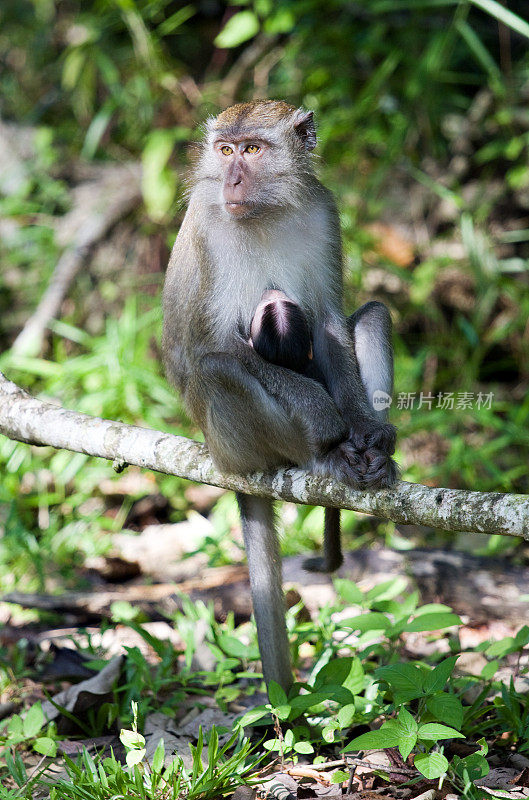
[257, 415]
[246, 429]
[370, 328]
[332, 557]
[264, 565]
[365, 453]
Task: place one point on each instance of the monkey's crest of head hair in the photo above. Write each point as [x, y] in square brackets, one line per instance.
[258, 112]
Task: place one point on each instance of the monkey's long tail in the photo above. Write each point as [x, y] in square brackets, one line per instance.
[332, 545]
[264, 564]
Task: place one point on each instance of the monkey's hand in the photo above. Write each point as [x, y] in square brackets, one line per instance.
[363, 460]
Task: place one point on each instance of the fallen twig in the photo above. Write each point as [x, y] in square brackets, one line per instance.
[99, 205]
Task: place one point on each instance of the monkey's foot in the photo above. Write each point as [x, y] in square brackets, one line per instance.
[321, 564]
[375, 447]
[363, 461]
[380, 471]
[343, 463]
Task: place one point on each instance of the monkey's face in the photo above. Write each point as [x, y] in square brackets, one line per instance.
[243, 164]
[257, 155]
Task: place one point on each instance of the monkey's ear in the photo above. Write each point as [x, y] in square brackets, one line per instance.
[304, 127]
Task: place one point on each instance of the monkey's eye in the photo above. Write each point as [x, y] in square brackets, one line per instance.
[226, 150]
[252, 149]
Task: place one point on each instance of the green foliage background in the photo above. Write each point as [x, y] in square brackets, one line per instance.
[413, 98]
[423, 123]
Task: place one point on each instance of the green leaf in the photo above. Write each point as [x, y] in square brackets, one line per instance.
[406, 721]
[407, 732]
[387, 590]
[242, 26]
[349, 592]
[327, 733]
[253, 715]
[430, 608]
[276, 694]
[304, 701]
[33, 721]
[96, 129]
[158, 758]
[345, 715]
[282, 712]
[433, 731]
[303, 747]
[502, 647]
[404, 679]
[385, 736]
[355, 680]
[372, 621]
[475, 765]
[431, 765]
[522, 637]
[158, 182]
[406, 744]
[447, 707]
[345, 672]
[232, 646]
[177, 19]
[134, 757]
[281, 22]
[73, 64]
[15, 726]
[16, 767]
[339, 776]
[131, 738]
[479, 51]
[432, 622]
[272, 744]
[489, 670]
[503, 15]
[435, 680]
[339, 694]
[45, 746]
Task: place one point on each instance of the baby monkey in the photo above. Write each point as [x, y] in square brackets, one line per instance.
[280, 333]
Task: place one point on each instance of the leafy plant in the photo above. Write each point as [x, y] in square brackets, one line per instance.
[25, 730]
[215, 771]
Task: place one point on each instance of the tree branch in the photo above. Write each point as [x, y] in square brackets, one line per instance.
[27, 419]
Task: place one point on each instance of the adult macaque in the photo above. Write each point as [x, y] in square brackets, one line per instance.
[258, 219]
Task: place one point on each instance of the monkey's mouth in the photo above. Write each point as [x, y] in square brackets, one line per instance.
[238, 208]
